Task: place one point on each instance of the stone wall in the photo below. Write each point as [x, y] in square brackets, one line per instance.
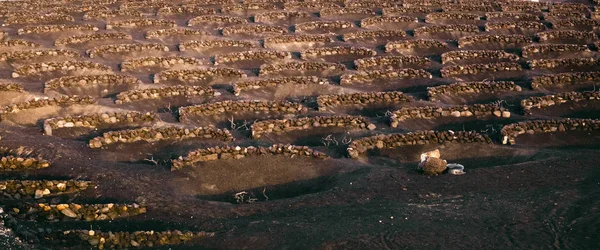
[143, 5]
[337, 11]
[529, 25]
[307, 123]
[584, 37]
[222, 20]
[37, 19]
[262, 55]
[563, 15]
[38, 103]
[414, 44]
[511, 131]
[154, 134]
[208, 44]
[390, 62]
[577, 24]
[312, 6]
[140, 23]
[17, 163]
[403, 10]
[195, 75]
[372, 76]
[562, 79]
[237, 152]
[89, 80]
[164, 62]
[479, 68]
[127, 240]
[372, 21]
[460, 55]
[336, 51]
[62, 67]
[390, 141]
[373, 34]
[11, 87]
[309, 26]
[235, 107]
[125, 48]
[540, 102]
[92, 37]
[434, 112]
[275, 16]
[238, 87]
[23, 189]
[562, 63]
[164, 92]
[442, 16]
[465, 28]
[18, 43]
[108, 14]
[20, 55]
[545, 49]
[52, 28]
[368, 3]
[512, 40]
[188, 10]
[239, 8]
[362, 99]
[460, 88]
[75, 212]
[253, 30]
[268, 69]
[96, 120]
[317, 40]
[494, 16]
[476, 7]
[174, 32]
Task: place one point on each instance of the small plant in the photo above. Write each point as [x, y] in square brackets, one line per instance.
[329, 140]
[244, 197]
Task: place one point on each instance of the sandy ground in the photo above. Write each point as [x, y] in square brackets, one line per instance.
[539, 194]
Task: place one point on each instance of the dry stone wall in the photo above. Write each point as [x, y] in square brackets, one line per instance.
[154, 134]
[306, 123]
[511, 131]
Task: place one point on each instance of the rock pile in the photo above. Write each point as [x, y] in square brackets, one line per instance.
[19, 189]
[97, 120]
[75, 212]
[460, 88]
[444, 16]
[104, 50]
[404, 10]
[540, 102]
[312, 40]
[274, 82]
[41, 29]
[18, 43]
[334, 68]
[457, 56]
[140, 23]
[307, 123]
[127, 240]
[247, 7]
[503, 16]
[92, 37]
[266, 56]
[576, 24]
[336, 51]
[373, 76]
[274, 16]
[37, 19]
[165, 62]
[210, 44]
[108, 14]
[362, 99]
[174, 32]
[546, 49]
[86, 81]
[338, 11]
[308, 6]
[240, 107]
[38, 103]
[17, 163]
[511, 131]
[562, 79]
[221, 21]
[434, 112]
[414, 44]
[197, 75]
[20, 55]
[390, 62]
[513, 41]
[11, 87]
[562, 63]
[373, 34]
[326, 25]
[574, 36]
[237, 152]
[64, 67]
[377, 20]
[154, 134]
[390, 141]
[253, 30]
[163, 92]
[187, 10]
[479, 68]
[434, 29]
